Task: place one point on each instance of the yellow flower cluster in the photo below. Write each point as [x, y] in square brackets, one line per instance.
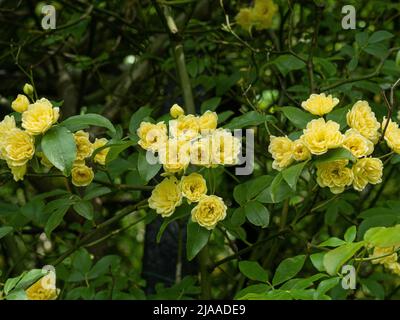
[169, 194]
[189, 140]
[43, 289]
[321, 135]
[17, 145]
[386, 256]
[82, 175]
[195, 140]
[260, 16]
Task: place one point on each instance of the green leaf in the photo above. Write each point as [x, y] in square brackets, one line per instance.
[197, 238]
[335, 154]
[286, 63]
[257, 214]
[332, 242]
[138, 117]
[288, 268]
[292, 174]
[5, 231]
[339, 116]
[85, 209]
[379, 36]
[350, 234]
[383, 237]
[297, 117]
[258, 288]
[250, 189]
[117, 148]
[147, 171]
[83, 121]
[252, 118]
[210, 104]
[326, 285]
[238, 216]
[374, 288]
[55, 220]
[59, 147]
[317, 259]
[96, 192]
[17, 295]
[334, 259]
[277, 189]
[179, 213]
[253, 271]
[81, 261]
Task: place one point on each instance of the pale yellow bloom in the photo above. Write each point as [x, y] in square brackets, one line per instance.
[18, 172]
[367, 170]
[361, 118]
[185, 127]
[176, 111]
[209, 211]
[319, 136]
[320, 104]
[81, 174]
[300, 151]
[6, 126]
[392, 135]
[394, 267]
[263, 13]
[166, 196]
[245, 18]
[281, 149]
[84, 147]
[39, 117]
[334, 175]
[357, 144]
[101, 156]
[200, 152]
[193, 186]
[18, 147]
[175, 155]
[383, 251]
[20, 104]
[208, 122]
[43, 289]
[225, 148]
[152, 136]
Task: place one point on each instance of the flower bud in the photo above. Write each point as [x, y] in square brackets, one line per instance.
[176, 111]
[28, 89]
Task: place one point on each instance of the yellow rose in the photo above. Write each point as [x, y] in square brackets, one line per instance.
[357, 144]
[176, 111]
[245, 18]
[20, 104]
[208, 122]
[319, 136]
[367, 170]
[175, 155]
[319, 104]
[209, 211]
[361, 118]
[392, 135]
[263, 12]
[84, 147]
[300, 151]
[166, 196]
[281, 149]
[18, 172]
[334, 175]
[43, 289]
[382, 251]
[101, 156]
[18, 147]
[185, 127]
[394, 267]
[39, 117]
[6, 126]
[225, 148]
[200, 152]
[81, 174]
[152, 136]
[193, 186]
